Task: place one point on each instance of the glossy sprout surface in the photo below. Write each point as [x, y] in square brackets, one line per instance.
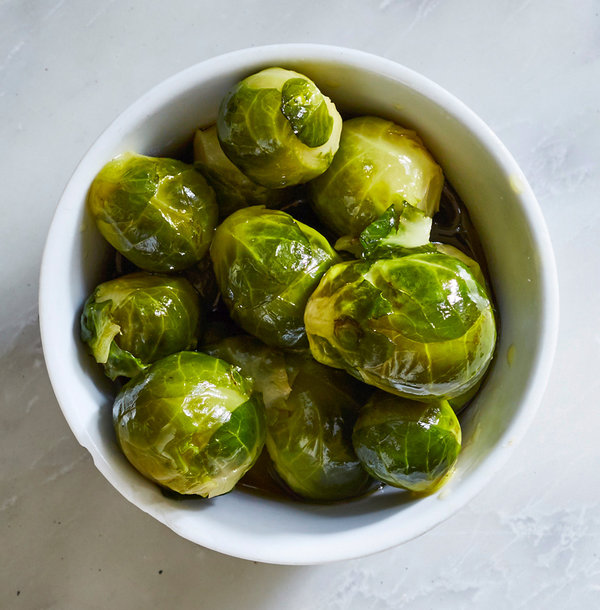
[136, 319]
[190, 423]
[407, 444]
[418, 326]
[159, 213]
[377, 163]
[267, 264]
[278, 128]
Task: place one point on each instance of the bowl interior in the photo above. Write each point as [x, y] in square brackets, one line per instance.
[520, 262]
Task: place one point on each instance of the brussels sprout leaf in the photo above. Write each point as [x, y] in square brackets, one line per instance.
[472, 264]
[401, 230]
[347, 243]
[121, 362]
[265, 365]
[400, 226]
[303, 106]
[97, 329]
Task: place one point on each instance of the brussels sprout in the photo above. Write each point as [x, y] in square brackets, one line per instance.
[134, 320]
[419, 326]
[232, 188]
[189, 423]
[309, 435]
[158, 213]
[310, 410]
[278, 128]
[406, 443]
[377, 162]
[267, 264]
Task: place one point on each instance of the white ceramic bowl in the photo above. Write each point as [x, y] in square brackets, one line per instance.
[504, 211]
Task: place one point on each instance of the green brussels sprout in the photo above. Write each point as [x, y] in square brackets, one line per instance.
[278, 128]
[418, 326]
[310, 411]
[190, 423]
[158, 213]
[267, 264]
[407, 444]
[309, 435]
[377, 162]
[134, 320]
[233, 189]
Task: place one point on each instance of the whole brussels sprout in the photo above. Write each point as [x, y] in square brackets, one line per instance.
[418, 326]
[233, 189]
[134, 320]
[377, 162]
[278, 128]
[190, 423]
[407, 444]
[158, 213]
[309, 435]
[310, 411]
[267, 264]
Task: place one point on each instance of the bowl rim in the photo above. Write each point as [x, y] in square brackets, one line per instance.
[339, 547]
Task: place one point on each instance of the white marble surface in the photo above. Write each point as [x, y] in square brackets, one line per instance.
[531, 539]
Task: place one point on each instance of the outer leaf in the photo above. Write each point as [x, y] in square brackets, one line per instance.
[401, 230]
[304, 106]
[467, 260]
[401, 227]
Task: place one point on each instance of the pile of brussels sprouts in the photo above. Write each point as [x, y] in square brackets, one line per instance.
[284, 294]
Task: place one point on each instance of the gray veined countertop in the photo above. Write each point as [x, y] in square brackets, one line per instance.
[531, 70]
